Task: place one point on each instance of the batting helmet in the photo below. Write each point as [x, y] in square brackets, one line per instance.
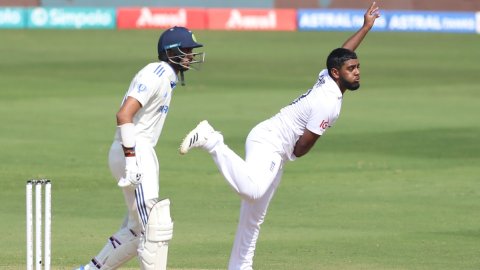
[177, 37]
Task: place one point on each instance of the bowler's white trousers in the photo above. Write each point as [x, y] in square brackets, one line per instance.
[255, 179]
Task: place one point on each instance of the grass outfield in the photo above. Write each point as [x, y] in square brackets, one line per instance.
[394, 185]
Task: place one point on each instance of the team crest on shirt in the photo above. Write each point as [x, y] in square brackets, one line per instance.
[141, 87]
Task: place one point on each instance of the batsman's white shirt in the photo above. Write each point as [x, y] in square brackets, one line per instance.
[316, 110]
[152, 86]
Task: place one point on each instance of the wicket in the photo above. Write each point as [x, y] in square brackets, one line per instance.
[39, 260]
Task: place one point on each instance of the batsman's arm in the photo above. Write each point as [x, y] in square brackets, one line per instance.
[125, 122]
[133, 175]
[368, 20]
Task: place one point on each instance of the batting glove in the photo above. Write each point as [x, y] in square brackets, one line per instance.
[133, 176]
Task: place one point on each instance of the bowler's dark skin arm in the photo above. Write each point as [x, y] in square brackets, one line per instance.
[305, 143]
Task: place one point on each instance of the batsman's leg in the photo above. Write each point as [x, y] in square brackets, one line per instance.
[153, 248]
[120, 248]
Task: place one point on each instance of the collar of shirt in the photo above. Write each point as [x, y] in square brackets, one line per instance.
[172, 76]
[330, 84]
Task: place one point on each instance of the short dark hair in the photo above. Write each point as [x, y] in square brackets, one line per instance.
[337, 57]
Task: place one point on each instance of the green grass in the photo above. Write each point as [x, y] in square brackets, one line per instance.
[394, 185]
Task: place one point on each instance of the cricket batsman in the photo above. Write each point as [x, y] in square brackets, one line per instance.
[148, 227]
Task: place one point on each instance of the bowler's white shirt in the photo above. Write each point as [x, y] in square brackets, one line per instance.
[152, 86]
[316, 110]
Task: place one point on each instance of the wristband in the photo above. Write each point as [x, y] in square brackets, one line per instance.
[127, 134]
[128, 152]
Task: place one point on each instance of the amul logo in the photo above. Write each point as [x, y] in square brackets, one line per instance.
[324, 124]
[237, 20]
[147, 18]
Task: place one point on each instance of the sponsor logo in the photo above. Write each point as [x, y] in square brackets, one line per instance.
[325, 20]
[163, 109]
[405, 22]
[39, 17]
[324, 124]
[238, 20]
[431, 22]
[311, 19]
[419, 21]
[12, 18]
[71, 18]
[147, 18]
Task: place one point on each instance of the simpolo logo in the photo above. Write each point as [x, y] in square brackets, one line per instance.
[71, 18]
[10, 16]
[39, 17]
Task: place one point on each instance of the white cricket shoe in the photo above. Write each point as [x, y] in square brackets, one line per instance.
[198, 137]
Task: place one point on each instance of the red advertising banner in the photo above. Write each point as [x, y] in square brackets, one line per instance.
[134, 18]
[252, 19]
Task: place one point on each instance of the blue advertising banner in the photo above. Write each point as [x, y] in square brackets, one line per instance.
[71, 18]
[478, 22]
[12, 18]
[405, 21]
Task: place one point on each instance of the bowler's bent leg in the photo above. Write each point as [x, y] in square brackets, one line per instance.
[252, 178]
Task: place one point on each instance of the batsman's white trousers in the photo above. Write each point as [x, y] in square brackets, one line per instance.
[255, 179]
[122, 246]
[137, 199]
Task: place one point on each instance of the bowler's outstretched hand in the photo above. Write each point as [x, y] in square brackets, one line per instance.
[371, 15]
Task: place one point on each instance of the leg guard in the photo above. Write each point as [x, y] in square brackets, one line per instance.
[120, 248]
[153, 248]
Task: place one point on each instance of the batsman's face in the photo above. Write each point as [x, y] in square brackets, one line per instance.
[188, 56]
[350, 74]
